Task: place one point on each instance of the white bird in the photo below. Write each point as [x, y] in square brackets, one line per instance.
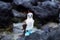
[30, 23]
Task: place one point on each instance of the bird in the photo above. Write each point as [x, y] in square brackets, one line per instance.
[28, 24]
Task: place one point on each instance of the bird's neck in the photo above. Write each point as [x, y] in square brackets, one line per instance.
[29, 18]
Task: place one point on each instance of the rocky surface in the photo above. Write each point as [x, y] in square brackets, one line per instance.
[39, 34]
[50, 35]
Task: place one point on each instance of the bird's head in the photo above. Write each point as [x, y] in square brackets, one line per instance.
[30, 15]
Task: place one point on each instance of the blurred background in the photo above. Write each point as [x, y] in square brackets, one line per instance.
[46, 15]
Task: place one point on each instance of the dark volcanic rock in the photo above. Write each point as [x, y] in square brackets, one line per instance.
[4, 5]
[18, 14]
[40, 12]
[54, 34]
[38, 35]
[5, 17]
[33, 36]
[5, 14]
[46, 9]
[59, 17]
[19, 2]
